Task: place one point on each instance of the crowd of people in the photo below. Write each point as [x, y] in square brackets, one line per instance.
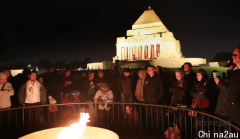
[214, 94]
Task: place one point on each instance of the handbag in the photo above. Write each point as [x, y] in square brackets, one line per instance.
[193, 106]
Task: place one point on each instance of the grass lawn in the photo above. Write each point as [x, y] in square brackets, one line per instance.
[195, 69]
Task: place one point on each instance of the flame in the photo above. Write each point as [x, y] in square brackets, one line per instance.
[75, 130]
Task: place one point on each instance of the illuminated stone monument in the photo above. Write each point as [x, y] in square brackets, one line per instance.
[150, 40]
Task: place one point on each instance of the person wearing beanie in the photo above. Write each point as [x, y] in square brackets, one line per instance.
[6, 91]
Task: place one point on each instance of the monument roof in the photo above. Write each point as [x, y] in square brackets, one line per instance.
[148, 16]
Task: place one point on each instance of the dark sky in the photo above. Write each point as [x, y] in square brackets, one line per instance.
[75, 29]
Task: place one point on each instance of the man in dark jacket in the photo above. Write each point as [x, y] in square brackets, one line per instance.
[222, 106]
[153, 94]
[190, 75]
[152, 89]
[52, 83]
[67, 83]
[125, 87]
[233, 89]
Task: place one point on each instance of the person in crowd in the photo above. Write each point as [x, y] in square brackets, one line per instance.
[233, 89]
[89, 85]
[6, 91]
[17, 81]
[68, 84]
[40, 79]
[32, 93]
[131, 120]
[139, 86]
[180, 89]
[7, 72]
[52, 84]
[101, 79]
[104, 95]
[82, 78]
[201, 90]
[152, 94]
[167, 81]
[125, 87]
[222, 106]
[190, 75]
[10, 79]
[153, 87]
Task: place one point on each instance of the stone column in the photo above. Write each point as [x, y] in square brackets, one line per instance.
[136, 52]
[149, 51]
[155, 50]
[130, 53]
[126, 53]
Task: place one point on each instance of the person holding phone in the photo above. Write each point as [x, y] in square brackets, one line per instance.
[233, 89]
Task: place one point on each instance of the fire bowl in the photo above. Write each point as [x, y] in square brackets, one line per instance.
[88, 133]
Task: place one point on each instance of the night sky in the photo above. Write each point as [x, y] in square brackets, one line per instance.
[74, 29]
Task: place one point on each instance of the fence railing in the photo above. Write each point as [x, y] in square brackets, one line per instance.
[126, 119]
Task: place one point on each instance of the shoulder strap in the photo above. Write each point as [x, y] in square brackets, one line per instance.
[3, 87]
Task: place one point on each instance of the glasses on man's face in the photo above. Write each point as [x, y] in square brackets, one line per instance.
[234, 55]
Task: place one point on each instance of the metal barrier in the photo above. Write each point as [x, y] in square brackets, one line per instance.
[139, 121]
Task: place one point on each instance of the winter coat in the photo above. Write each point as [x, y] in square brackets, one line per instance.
[52, 83]
[139, 86]
[202, 98]
[22, 94]
[86, 86]
[222, 106]
[106, 98]
[125, 85]
[153, 89]
[190, 78]
[181, 95]
[5, 93]
[233, 93]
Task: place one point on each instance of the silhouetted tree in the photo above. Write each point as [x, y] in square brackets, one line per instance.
[76, 64]
[44, 64]
[222, 56]
[86, 61]
[60, 64]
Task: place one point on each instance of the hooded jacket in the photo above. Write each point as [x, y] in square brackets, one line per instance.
[139, 86]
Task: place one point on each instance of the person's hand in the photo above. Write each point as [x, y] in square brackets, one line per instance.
[122, 96]
[216, 79]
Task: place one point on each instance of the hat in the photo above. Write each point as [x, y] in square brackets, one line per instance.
[104, 87]
[126, 70]
[2, 75]
[229, 63]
